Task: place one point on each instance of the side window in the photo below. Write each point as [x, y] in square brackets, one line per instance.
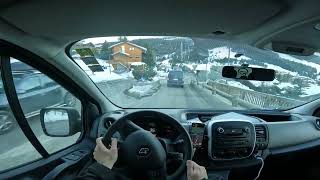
[46, 93]
[15, 148]
[47, 82]
[28, 84]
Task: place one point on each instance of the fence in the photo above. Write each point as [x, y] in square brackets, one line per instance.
[248, 98]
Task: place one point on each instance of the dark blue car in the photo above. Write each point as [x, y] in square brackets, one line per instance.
[35, 91]
[175, 78]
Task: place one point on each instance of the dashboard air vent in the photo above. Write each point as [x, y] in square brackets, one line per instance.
[261, 137]
[205, 117]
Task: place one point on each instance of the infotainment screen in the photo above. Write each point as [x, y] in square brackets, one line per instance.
[196, 133]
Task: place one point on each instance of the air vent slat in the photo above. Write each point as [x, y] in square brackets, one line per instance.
[260, 131]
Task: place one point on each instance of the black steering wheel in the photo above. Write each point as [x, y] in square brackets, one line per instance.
[142, 152]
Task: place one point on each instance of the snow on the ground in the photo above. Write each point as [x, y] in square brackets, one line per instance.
[162, 74]
[266, 83]
[104, 76]
[224, 52]
[137, 63]
[280, 69]
[83, 65]
[190, 66]
[166, 63]
[141, 90]
[238, 85]
[311, 90]
[203, 67]
[105, 65]
[284, 85]
[126, 74]
[290, 58]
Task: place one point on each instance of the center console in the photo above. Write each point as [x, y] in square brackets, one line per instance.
[231, 139]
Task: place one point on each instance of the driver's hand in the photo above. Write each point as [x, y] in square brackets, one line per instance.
[105, 156]
[196, 172]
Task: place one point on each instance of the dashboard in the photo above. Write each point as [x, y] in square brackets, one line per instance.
[223, 140]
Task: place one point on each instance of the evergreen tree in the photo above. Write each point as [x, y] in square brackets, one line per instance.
[148, 57]
[105, 52]
[123, 38]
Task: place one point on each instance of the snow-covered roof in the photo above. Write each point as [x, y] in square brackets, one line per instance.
[120, 52]
[140, 47]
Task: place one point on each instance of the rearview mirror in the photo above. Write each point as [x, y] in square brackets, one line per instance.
[248, 73]
[60, 122]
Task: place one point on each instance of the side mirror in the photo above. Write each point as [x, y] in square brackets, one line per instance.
[60, 122]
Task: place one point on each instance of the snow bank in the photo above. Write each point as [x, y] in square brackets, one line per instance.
[104, 76]
[142, 89]
[126, 75]
[238, 85]
[162, 74]
[265, 83]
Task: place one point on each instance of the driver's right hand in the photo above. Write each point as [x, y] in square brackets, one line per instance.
[105, 156]
[195, 171]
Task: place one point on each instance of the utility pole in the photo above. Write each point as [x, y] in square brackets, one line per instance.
[181, 51]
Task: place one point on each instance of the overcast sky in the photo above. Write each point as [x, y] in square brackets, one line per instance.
[115, 38]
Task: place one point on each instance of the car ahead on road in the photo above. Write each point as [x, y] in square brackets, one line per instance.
[175, 78]
[35, 91]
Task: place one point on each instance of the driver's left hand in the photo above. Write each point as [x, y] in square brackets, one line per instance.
[105, 156]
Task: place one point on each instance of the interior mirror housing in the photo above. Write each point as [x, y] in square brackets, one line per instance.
[248, 73]
[60, 122]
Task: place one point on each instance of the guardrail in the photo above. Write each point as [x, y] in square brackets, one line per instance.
[250, 99]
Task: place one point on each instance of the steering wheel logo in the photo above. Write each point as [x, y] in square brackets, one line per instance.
[144, 151]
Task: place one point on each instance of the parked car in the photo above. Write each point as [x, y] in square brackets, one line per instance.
[35, 91]
[175, 78]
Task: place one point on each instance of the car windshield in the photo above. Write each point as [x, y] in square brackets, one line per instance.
[185, 72]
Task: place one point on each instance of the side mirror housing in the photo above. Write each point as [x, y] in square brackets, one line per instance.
[60, 122]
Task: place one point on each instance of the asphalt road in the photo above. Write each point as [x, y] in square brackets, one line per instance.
[187, 97]
[190, 96]
[16, 137]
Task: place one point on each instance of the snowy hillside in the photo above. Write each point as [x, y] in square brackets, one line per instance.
[293, 75]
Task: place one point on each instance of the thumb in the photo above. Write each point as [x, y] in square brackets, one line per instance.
[114, 144]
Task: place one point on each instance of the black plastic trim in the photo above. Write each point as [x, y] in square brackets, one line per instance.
[16, 107]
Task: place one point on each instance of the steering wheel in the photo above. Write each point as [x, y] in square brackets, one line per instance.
[144, 153]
